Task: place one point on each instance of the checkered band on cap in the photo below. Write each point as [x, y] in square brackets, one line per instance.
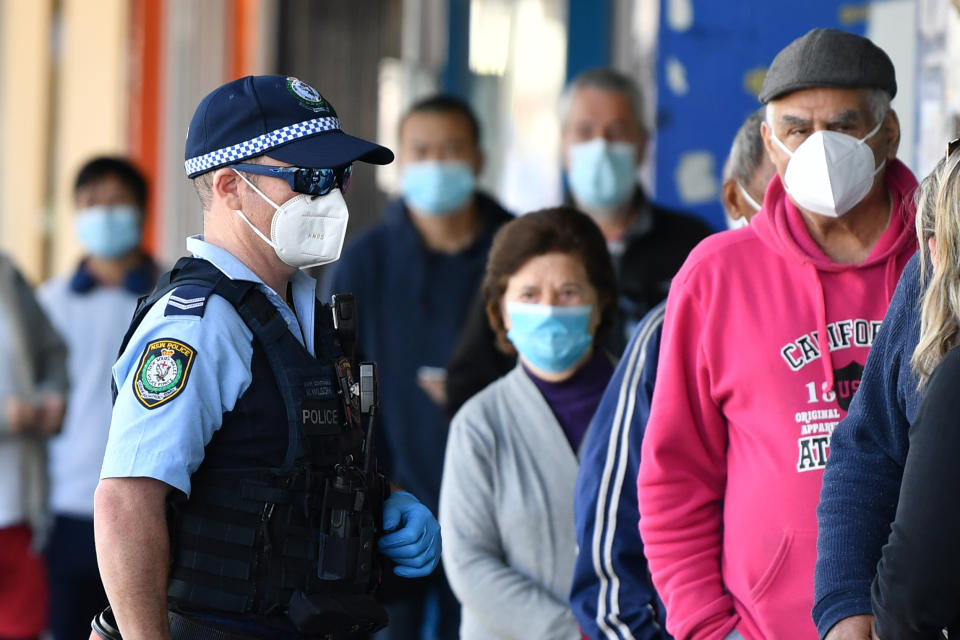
[261, 144]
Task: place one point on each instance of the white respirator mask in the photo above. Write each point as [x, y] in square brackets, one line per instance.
[830, 172]
[306, 231]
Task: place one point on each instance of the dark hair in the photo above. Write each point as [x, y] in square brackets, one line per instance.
[442, 103]
[560, 230]
[101, 167]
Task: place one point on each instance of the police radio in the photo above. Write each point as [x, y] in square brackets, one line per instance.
[344, 309]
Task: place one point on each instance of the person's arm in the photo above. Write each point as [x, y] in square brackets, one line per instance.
[682, 478]
[507, 603]
[917, 587]
[41, 409]
[133, 553]
[611, 585]
[861, 483]
[47, 348]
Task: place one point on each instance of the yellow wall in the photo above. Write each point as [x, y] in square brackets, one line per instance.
[24, 101]
[42, 149]
[91, 105]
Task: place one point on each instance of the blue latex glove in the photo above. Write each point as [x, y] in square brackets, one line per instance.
[413, 541]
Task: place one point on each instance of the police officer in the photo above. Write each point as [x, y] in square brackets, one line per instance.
[239, 496]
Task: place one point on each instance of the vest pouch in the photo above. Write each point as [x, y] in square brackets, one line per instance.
[345, 543]
[347, 614]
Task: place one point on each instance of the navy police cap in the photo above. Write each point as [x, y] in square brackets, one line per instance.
[279, 116]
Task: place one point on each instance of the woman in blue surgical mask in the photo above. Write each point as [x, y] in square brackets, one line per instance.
[506, 500]
[90, 307]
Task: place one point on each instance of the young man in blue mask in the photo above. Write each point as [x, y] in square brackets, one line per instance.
[415, 276]
[90, 308]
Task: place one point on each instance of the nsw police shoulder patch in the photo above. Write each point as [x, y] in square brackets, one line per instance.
[163, 371]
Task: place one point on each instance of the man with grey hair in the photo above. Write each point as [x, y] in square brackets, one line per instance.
[746, 173]
[766, 332]
[611, 595]
[603, 141]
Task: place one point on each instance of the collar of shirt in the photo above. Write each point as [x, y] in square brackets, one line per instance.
[138, 281]
[304, 288]
[644, 222]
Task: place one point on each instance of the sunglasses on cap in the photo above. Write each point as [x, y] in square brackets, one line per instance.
[313, 182]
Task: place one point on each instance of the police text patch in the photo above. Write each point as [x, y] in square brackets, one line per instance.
[163, 371]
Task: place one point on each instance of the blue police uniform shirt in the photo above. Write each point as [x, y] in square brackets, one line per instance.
[214, 351]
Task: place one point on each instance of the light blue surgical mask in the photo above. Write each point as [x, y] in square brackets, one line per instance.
[438, 188]
[550, 338]
[603, 175]
[108, 231]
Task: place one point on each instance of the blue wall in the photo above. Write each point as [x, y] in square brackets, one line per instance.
[723, 55]
[589, 35]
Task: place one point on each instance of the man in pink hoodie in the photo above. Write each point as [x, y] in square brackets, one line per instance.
[767, 330]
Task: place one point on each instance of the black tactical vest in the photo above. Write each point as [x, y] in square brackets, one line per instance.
[286, 508]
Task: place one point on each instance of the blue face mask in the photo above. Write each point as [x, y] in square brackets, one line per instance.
[550, 338]
[108, 231]
[603, 175]
[438, 188]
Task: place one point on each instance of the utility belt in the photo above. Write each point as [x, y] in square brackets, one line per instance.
[104, 627]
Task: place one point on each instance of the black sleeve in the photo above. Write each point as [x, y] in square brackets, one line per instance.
[917, 589]
[476, 360]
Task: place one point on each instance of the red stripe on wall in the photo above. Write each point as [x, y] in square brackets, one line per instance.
[147, 39]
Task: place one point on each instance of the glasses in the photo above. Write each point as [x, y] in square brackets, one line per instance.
[313, 182]
[951, 147]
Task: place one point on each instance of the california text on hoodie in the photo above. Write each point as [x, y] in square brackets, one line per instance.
[746, 398]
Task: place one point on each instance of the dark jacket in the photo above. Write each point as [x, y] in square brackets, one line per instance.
[411, 303]
[917, 588]
[868, 449]
[653, 251]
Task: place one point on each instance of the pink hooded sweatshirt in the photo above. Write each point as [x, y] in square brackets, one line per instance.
[745, 402]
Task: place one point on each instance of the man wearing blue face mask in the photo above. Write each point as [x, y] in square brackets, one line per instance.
[90, 308]
[604, 140]
[415, 276]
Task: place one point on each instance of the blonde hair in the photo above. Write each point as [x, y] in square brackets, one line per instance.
[938, 216]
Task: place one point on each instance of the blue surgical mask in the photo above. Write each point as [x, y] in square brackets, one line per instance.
[108, 231]
[603, 175]
[438, 188]
[550, 338]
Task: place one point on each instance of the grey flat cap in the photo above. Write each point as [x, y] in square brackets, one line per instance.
[828, 58]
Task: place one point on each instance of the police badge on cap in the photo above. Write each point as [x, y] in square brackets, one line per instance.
[307, 95]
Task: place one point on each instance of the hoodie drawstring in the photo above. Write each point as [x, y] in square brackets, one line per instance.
[823, 338]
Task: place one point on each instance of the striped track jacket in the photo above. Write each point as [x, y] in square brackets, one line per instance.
[612, 596]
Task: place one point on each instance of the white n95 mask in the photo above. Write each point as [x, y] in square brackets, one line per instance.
[830, 172]
[306, 231]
